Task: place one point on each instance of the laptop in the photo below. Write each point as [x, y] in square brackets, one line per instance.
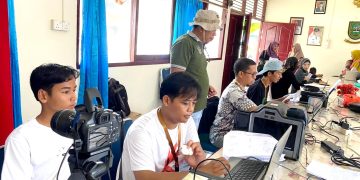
[249, 169]
[315, 103]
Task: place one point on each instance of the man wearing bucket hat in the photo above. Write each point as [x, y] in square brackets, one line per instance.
[271, 73]
[187, 54]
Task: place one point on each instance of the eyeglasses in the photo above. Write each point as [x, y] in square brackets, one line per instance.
[252, 74]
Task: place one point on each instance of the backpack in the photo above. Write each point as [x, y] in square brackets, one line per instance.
[118, 99]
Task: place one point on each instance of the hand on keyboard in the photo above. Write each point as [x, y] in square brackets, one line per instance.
[215, 168]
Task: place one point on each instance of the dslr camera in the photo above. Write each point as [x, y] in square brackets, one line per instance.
[93, 129]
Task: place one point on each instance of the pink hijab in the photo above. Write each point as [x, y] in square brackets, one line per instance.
[298, 52]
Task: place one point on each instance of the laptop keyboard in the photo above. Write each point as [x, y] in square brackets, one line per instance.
[246, 170]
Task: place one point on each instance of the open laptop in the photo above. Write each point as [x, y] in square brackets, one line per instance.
[315, 103]
[249, 169]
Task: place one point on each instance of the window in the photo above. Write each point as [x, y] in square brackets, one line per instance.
[140, 31]
[214, 48]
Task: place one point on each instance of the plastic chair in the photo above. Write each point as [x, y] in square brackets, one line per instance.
[164, 73]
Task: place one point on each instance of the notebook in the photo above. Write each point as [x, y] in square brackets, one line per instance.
[245, 169]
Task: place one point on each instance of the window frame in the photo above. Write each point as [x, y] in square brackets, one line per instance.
[146, 59]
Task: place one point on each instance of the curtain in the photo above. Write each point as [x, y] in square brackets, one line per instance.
[185, 11]
[94, 57]
[16, 98]
[6, 109]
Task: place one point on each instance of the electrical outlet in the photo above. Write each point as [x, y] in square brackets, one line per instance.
[58, 25]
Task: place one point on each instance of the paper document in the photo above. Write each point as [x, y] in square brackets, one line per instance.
[244, 144]
[329, 172]
[295, 97]
[309, 75]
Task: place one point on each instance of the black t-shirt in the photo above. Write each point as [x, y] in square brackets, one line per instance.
[257, 92]
[281, 88]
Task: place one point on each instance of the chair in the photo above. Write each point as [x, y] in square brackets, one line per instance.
[206, 122]
[116, 149]
[164, 73]
[1, 158]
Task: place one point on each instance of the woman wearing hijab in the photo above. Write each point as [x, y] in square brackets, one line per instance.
[297, 52]
[355, 55]
[302, 73]
[281, 88]
[270, 52]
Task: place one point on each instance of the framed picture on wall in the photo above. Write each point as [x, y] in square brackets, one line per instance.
[315, 35]
[320, 7]
[299, 22]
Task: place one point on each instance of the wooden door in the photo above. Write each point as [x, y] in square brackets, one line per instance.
[279, 32]
[232, 48]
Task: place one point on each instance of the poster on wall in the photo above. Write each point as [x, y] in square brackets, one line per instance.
[315, 35]
[320, 7]
[298, 21]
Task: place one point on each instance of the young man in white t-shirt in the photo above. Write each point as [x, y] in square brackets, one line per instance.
[33, 150]
[150, 154]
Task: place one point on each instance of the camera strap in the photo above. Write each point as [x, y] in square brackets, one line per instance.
[162, 122]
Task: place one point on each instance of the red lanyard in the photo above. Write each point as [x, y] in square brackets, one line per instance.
[162, 122]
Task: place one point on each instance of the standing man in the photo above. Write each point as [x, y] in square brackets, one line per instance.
[187, 54]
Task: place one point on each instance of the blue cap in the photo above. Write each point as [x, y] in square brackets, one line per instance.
[272, 65]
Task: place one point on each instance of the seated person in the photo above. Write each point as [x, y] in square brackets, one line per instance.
[151, 146]
[281, 88]
[232, 99]
[355, 55]
[348, 64]
[33, 150]
[315, 77]
[259, 91]
[302, 73]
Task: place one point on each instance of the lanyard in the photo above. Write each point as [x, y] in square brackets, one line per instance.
[162, 122]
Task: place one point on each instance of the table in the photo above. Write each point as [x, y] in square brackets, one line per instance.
[290, 169]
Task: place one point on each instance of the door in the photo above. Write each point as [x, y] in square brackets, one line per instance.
[279, 32]
[237, 39]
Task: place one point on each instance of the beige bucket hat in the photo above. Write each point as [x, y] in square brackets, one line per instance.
[207, 19]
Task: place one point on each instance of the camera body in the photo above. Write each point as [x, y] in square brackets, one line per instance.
[93, 129]
[95, 126]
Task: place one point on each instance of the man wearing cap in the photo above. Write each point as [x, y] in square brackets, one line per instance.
[271, 73]
[187, 54]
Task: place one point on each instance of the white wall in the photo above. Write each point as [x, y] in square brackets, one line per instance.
[142, 83]
[330, 57]
[37, 44]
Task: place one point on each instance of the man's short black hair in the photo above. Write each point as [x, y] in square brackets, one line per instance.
[242, 64]
[179, 84]
[46, 76]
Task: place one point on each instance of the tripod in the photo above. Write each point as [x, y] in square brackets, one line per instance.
[89, 166]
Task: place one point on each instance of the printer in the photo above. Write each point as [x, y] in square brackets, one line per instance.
[274, 118]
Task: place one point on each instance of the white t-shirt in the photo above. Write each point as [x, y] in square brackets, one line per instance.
[146, 146]
[33, 151]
